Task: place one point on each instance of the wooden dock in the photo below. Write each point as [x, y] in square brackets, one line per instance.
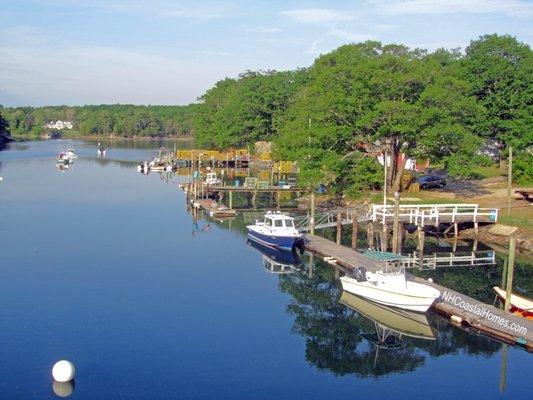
[485, 318]
[214, 209]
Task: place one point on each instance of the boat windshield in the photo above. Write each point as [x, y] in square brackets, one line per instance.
[289, 223]
[278, 223]
[268, 222]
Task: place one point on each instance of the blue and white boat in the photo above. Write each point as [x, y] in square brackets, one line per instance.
[277, 231]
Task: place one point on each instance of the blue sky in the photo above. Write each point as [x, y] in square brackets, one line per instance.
[79, 52]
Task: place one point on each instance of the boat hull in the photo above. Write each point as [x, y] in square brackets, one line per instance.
[273, 241]
[406, 299]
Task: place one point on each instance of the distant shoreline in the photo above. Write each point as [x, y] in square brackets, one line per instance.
[110, 138]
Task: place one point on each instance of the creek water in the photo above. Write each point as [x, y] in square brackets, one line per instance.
[105, 267]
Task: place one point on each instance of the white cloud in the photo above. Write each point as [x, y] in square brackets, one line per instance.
[314, 49]
[317, 15]
[263, 30]
[350, 36]
[509, 7]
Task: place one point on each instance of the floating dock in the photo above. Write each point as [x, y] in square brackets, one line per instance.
[461, 309]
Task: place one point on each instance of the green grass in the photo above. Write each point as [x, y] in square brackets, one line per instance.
[487, 172]
[516, 220]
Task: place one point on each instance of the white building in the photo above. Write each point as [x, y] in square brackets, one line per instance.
[59, 125]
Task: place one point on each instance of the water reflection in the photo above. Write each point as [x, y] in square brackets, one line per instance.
[337, 337]
[276, 261]
[63, 389]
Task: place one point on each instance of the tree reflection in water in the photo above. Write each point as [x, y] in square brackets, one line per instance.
[334, 332]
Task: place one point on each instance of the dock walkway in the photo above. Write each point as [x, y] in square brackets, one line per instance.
[485, 318]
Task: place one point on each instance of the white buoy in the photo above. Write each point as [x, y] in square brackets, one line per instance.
[430, 280]
[63, 371]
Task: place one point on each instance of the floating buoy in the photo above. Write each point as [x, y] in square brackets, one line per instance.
[63, 371]
[430, 280]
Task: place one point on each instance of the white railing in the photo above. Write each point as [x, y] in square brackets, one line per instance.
[449, 259]
[420, 214]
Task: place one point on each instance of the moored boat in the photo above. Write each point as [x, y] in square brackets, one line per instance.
[391, 289]
[277, 230]
[71, 154]
[521, 306]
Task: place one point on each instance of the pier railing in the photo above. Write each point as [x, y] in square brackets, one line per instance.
[329, 219]
[450, 259]
[433, 214]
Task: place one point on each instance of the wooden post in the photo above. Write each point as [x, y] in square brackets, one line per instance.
[421, 235]
[254, 198]
[504, 272]
[354, 232]
[400, 237]
[339, 228]
[312, 219]
[509, 179]
[510, 271]
[311, 265]
[384, 241]
[337, 272]
[396, 222]
[370, 235]
[230, 198]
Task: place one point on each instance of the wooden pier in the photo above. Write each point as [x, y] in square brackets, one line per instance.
[462, 309]
[214, 209]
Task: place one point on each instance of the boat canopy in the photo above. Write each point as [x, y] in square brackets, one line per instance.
[278, 220]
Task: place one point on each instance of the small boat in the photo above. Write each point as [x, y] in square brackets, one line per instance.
[390, 289]
[63, 159]
[71, 154]
[101, 152]
[520, 306]
[277, 230]
[212, 180]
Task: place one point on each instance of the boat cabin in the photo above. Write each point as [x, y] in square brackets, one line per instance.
[277, 221]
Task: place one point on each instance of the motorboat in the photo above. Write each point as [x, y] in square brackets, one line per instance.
[143, 168]
[276, 261]
[277, 231]
[211, 179]
[520, 306]
[63, 159]
[390, 288]
[71, 154]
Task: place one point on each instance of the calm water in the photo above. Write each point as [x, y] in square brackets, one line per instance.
[103, 266]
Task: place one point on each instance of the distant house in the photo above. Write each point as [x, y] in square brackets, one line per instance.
[410, 165]
[59, 125]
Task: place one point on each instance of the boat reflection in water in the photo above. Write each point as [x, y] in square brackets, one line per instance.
[276, 261]
[391, 324]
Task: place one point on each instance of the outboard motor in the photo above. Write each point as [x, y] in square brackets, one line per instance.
[360, 274]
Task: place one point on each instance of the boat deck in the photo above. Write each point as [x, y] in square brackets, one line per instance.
[485, 318]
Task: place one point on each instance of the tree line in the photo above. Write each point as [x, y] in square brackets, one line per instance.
[120, 120]
[351, 105]
[364, 99]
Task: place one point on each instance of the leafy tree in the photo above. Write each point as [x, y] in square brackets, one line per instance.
[500, 70]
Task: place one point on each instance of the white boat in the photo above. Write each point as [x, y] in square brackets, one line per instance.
[63, 159]
[391, 289]
[211, 179]
[276, 231]
[71, 154]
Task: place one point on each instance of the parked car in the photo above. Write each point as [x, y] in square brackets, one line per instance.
[431, 181]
